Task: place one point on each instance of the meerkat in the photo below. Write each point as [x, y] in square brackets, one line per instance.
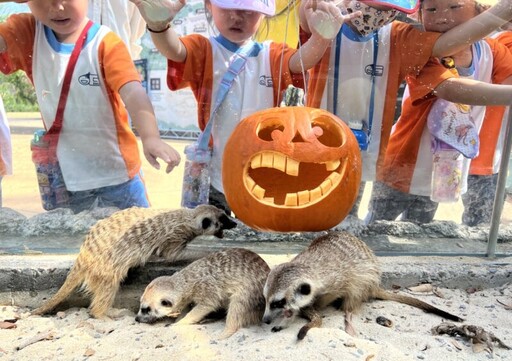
[127, 239]
[336, 266]
[232, 280]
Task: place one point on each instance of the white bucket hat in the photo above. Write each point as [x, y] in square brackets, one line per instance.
[267, 7]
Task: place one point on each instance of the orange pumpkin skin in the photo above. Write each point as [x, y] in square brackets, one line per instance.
[291, 169]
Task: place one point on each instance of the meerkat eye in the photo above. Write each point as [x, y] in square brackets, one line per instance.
[278, 304]
[304, 289]
[166, 303]
[206, 223]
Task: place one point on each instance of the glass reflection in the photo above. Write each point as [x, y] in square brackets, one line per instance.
[20, 189]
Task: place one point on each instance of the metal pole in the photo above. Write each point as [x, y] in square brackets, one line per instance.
[500, 191]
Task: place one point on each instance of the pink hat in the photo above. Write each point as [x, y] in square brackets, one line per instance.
[267, 7]
[406, 6]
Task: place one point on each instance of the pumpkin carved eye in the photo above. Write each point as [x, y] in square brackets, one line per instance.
[270, 129]
[291, 169]
[330, 136]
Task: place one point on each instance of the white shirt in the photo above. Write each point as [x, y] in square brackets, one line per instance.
[5, 143]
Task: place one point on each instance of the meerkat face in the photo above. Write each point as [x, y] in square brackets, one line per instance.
[286, 292]
[161, 299]
[212, 220]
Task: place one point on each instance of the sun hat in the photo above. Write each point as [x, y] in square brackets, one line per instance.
[406, 6]
[267, 7]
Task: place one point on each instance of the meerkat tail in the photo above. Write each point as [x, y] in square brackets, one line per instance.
[73, 280]
[382, 294]
[315, 320]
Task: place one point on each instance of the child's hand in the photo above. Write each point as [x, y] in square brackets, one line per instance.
[324, 17]
[158, 13]
[156, 148]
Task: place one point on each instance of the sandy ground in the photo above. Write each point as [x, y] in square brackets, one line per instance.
[72, 335]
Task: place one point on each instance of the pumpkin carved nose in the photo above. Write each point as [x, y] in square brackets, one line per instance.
[311, 135]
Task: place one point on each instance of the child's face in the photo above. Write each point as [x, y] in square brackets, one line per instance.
[443, 15]
[64, 17]
[238, 26]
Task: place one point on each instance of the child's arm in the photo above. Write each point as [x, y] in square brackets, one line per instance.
[158, 14]
[474, 92]
[324, 20]
[143, 117]
[475, 29]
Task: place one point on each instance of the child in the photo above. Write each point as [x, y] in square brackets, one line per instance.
[359, 78]
[405, 178]
[97, 150]
[478, 201]
[200, 63]
[5, 147]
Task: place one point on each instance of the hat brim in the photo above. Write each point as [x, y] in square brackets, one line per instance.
[255, 5]
[405, 6]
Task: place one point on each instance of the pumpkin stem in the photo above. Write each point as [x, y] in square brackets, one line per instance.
[293, 97]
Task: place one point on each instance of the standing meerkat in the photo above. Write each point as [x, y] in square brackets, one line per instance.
[127, 239]
[231, 280]
[335, 266]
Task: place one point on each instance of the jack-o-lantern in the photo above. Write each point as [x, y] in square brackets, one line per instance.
[291, 169]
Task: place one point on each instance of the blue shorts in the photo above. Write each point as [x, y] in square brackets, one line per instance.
[129, 194]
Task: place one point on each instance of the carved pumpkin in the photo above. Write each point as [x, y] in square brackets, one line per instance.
[291, 169]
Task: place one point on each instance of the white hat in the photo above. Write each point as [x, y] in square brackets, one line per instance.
[267, 7]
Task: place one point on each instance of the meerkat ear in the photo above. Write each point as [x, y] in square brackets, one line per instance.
[226, 222]
[304, 289]
[206, 222]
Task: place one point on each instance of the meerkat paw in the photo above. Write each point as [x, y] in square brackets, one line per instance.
[117, 313]
[184, 322]
[227, 333]
[195, 315]
[349, 326]
[277, 328]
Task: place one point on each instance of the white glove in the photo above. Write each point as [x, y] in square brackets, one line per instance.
[159, 13]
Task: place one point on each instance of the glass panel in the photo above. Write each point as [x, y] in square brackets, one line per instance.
[176, 112]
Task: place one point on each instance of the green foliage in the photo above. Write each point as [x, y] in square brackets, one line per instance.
[18, 93]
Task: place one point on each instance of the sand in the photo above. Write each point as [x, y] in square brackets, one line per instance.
[73, 335]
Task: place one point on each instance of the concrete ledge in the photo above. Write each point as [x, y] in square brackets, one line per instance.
[27, 280]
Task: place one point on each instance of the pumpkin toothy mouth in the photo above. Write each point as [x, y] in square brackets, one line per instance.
[277, 179]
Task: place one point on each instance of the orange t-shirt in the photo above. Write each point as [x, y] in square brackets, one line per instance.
[488, 161]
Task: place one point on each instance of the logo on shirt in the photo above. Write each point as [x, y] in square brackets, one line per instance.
[266, 81]
[374, 70]
[89, 79]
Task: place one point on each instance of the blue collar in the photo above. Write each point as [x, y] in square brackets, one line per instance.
[256, 47]
[469, 71]
[354, 35]
[65, 48]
